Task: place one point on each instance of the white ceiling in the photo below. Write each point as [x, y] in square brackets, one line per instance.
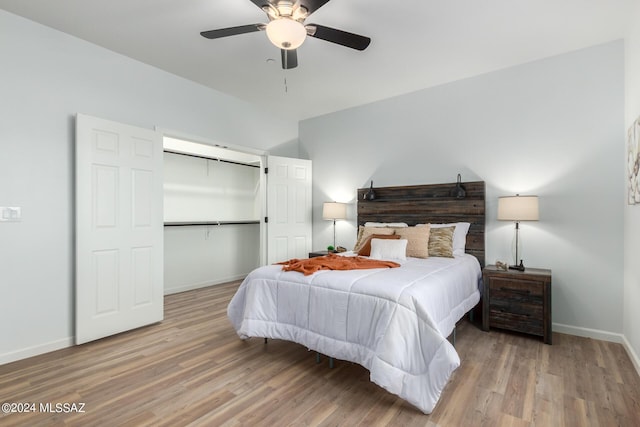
[415, 43]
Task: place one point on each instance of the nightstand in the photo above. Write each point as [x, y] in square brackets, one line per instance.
[319, 253]
[517, 300]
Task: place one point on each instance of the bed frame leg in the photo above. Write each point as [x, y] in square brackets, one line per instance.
[331, 362]
[452, 337]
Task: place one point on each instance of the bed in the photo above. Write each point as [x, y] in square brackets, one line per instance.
[393, 321]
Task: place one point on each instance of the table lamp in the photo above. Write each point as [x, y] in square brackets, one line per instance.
[518, 208]
[334, 211]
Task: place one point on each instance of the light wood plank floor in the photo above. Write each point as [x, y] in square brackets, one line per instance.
[192, 369]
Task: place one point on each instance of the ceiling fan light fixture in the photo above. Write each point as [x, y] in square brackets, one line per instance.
[285, 33]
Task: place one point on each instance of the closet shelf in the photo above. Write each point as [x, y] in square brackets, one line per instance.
[187, 223]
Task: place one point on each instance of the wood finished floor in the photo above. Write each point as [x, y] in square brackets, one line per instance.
[192, 369]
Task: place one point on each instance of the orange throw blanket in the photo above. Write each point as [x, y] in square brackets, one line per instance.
[334, 262]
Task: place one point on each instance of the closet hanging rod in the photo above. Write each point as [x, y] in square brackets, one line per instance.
[187, 223]
[211, 158]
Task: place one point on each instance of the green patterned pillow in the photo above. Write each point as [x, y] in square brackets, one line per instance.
[441, 242]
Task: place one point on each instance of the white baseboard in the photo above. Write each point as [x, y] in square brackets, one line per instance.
[191, 286]
[36, 350]
[632, 354]
[588, 333]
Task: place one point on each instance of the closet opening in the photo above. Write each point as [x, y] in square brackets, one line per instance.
[214, 203]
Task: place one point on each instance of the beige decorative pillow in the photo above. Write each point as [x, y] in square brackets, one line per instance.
[441, 242]
[418, 240]
[365, 232]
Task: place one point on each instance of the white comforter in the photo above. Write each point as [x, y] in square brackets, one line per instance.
[394, 322]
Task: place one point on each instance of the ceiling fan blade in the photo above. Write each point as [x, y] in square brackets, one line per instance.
[289, 58]
[313, 5]
[232, 31]
[262, 3]
[344, 38]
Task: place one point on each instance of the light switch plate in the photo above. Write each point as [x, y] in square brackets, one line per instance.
[10, 214]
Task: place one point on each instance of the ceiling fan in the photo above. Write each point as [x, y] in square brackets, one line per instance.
[287, 31]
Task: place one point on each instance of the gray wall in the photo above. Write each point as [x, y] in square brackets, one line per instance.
[632, 213]
[46, 77]
[552, 127]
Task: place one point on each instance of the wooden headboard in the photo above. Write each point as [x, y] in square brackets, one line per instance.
[421, 204]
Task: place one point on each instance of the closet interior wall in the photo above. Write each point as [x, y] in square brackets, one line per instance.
[212, 221]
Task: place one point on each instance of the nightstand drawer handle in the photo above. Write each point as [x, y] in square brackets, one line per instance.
[517, 291]
[504, 310]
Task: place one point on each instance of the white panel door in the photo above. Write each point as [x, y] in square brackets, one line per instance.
[289, 209]
[119, 228]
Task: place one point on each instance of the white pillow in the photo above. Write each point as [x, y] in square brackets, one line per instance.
[386, 224]
[459, 235]
[389, 249]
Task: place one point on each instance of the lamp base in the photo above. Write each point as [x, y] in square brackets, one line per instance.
[519, 267]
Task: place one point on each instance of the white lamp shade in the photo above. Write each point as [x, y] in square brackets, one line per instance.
[518, 208]
[334, 210]
[286, 33]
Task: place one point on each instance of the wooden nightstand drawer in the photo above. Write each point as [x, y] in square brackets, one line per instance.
[526, 323]
[516, 288]
[532, 308]
[518, 301]
[516, 304]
